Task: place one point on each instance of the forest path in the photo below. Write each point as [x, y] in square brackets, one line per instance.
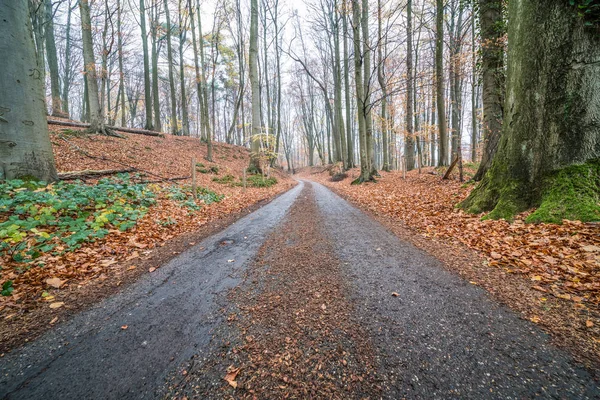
[311, 298]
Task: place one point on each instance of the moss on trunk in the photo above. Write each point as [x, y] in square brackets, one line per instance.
[550, 143]
[571, 193]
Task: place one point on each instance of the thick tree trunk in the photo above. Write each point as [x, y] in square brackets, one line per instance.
[439, 80]
[492, 78]
[25, 149]
[253, 61]
[549, 150]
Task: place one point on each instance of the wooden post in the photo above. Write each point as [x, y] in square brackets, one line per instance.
[244, 178]
[403, 168]
[194, 190]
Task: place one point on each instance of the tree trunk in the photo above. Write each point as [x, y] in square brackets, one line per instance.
[365, 170]
[96, 114]
[366, 53]
[349, 133]
[493, 80]
[439, 80]
[385, 165]
[67, 74]
[147, 90]
[208, 129]
[155, 90]
[57, 110]
[121, 73]
[253, 61]
[185, 123]
[25, 149]
[409, 140]
[549, 150]
[174, 129]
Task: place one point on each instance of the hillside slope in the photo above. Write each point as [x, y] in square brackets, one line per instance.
[116, 226]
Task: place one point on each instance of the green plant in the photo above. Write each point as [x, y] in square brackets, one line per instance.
[227, 179]
[260, 181]
[36, 218]
[7, 288]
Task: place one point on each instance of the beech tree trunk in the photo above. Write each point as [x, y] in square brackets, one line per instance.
[95, 112]
[492, 78]
[57, 110]
[439, 80]
[25, 149]
[549, 150]
[253, 61]
[171, 77]
[147, 90]
[409, 140]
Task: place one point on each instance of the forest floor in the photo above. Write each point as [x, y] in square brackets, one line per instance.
[57, 284]
[549, 273]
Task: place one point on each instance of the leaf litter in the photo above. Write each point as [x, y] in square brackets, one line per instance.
[519, 263]
[67, 274]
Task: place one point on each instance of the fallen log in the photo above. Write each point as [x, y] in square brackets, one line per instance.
[66, 176]
[115, 128]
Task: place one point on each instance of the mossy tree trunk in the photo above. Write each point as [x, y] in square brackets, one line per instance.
[25, 149]
[550, 145]
[493, 29]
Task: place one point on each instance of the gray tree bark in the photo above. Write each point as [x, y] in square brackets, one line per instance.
[549, 150]
[174, 127]
[96, 114]
[57, 110]
[253, 61]
[147, 87]
[25, 149]
[439, 80]
[492, 79]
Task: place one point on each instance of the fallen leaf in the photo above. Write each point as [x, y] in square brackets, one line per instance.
[536, 278]
[230, 261]
[496, 256]
[232, 373]
[591, 249]
[395, 294]
[54, 282]
[473, 283]
[53, 320]
[107, 263]
[151, 269]
[57, 304]
[123, 327]
[535, 319]
[589, 323]
[131, 267]
[323, 307]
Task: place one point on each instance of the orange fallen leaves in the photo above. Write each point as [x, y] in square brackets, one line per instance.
[95, 261]
[563, 260]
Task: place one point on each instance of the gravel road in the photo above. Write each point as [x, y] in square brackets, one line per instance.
[438, 336]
